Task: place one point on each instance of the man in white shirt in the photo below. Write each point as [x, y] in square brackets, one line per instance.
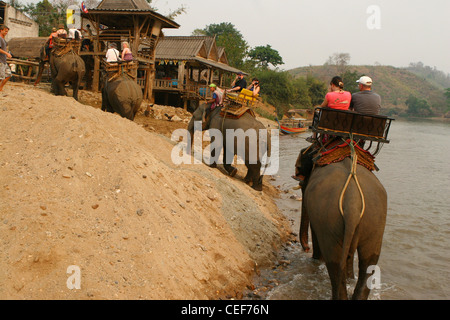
[112, 55]
[72, 33]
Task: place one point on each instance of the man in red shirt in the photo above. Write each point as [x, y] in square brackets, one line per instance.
[49, 43]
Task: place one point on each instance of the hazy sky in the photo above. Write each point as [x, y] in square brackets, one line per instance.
[305, 32]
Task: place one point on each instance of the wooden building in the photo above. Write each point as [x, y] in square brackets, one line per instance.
[18, 23]
[132, 21]
[186, 66]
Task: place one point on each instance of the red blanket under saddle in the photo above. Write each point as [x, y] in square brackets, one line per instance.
[340, 151]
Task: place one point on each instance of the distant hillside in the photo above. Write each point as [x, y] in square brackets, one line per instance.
[395, 85]
[436, 77]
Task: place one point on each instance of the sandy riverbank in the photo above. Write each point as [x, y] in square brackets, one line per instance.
[80, 187]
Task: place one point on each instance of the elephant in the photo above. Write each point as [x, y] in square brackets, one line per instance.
[66, 68]
[245, 122]
[337, 236]
[122, 95]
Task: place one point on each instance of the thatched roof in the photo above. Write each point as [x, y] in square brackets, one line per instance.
[201, 49]
[27, 47]
[124, 4]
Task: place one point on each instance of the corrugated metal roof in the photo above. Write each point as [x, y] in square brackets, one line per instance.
[180, 48]
[219, 65]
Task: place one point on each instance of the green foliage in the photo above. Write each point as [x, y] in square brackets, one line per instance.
[447, 97]
[229, 37]
[418, 107]
[316, 89]
[262, 56]
[349, 78]
[279, 89]
[434, 76]
[47, 15]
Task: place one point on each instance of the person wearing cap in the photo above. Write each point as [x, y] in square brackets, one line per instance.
[238, 84]
[112, 55]
[365, 101]
[254, 87]
[61, 32]
[216, 99]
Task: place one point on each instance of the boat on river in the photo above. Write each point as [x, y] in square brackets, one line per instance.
[292, 126]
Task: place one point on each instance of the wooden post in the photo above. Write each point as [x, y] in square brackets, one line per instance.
[151, 80]
[96, 75]
[181, 72]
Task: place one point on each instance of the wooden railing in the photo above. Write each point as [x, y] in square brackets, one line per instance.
[192, 90]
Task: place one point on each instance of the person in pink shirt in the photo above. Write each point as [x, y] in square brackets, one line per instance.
[337, 98]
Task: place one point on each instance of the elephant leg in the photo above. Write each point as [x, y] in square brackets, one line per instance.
[362, 290]
[338, 281]
[75, 86]
[350, 271]
[228, 167]
[248, 177]
[40, 71]
[105, 102]
[60, 90]
[317, 254]
[130, 113]
[256, 176]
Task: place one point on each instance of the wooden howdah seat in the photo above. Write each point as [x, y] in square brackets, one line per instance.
[346, 124]
[347, 132]
[115, 69]
[61, 46]
[237, 104]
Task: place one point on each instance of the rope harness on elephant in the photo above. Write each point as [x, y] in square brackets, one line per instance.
[352, 174]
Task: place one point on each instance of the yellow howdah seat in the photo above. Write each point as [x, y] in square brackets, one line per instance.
[245, 97]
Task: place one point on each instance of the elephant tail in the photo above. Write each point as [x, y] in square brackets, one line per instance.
[351, 213]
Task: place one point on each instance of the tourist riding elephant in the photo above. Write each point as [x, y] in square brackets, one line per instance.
[253, 148]
[121, 95]
[66, 68]
[335, 235]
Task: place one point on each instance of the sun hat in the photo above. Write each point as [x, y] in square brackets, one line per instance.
[365, 80]
[212, 85]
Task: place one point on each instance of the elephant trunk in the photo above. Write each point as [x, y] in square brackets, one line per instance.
[304, 226]
[40, 71]
[191, 136]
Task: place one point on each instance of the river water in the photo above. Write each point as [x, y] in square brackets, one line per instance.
[415, 256]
